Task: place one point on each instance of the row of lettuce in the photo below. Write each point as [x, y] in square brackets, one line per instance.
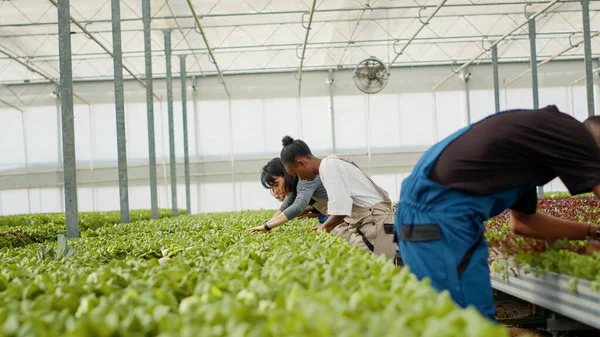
[22, 230]
[208, 276]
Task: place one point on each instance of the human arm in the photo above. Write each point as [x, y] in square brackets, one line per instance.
[275, 221]
[546, 227]
[527, 222]
[332, 222]
[296, 202]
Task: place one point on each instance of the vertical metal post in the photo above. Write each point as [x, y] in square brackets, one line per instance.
[120, 110]
[196, 136]
[59, 166]
[186, 153]
[534, 78]
[496, 79]
[331, 112]
[150, 109]
[368, 131]
[533, 65]
[465, 75]
[172, 159]
[587, 48]
[68, 127]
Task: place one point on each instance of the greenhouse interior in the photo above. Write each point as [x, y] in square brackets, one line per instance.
[169, 168]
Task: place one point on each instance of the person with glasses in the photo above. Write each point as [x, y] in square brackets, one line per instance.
[299, 198]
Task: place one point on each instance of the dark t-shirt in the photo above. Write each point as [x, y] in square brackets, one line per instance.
[519, 148]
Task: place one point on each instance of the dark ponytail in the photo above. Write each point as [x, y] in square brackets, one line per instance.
[293, 149]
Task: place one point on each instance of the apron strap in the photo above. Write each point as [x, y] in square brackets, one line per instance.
[380, 190]
[365, 240]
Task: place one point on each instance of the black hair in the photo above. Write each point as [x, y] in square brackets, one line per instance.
[274, 169]
[592, 121]
[293, 149]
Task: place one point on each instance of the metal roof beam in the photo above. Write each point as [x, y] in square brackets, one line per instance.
[295, 12]
[330, 44]
[91, 36]
[35, 70]
[210, 52]
[549, 59]
[466, 64]
[283, 22]
[423, 24]
[308, 28]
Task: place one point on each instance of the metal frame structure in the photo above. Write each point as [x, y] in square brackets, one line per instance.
[255, 36]
[564, 295]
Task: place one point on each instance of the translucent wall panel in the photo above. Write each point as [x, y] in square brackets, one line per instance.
[14, 202]
[107, 198]
[417, 125]
[213, 129]
[136, 123]
[161, 136]
[12, 154]
[482, 104]
[86, 199]
[451, 112]
[164, 194]
[84, 134]
[350, 123]
[521, 98]
[162, 131]
[216, 197]
[139, 197]
[389, 182]
[41, 135]
[105, 137]
[252, 195]
[558, 96]
[281, 118]
[579, 102]
[248, 127]
[47, 200]
[384, 112]
[316, 122]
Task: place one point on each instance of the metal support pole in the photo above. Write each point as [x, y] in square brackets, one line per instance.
[196, 136]
[587, 47]
[465, 76]
[59, 166]
[120, 110]
[186, 153]
[150, 109]
[172, 159]
[68, 127]
[331, 111]
[534, 78]
[533, 64]
[496, 79]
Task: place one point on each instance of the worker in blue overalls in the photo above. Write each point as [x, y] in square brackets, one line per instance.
[477, 173]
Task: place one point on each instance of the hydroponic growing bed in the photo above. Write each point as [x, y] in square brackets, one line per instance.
[563, 278]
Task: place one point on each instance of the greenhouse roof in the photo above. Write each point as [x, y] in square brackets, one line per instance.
[249, 36]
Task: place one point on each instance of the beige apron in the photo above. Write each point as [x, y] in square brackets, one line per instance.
[340, 230]
[372, 228]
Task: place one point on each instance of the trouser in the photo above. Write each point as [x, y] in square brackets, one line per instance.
[442, 260]
[342, 230]
[375, 233]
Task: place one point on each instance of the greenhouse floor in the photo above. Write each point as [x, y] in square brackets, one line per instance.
[525, 319]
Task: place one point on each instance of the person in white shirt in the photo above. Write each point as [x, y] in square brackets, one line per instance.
[353, 197]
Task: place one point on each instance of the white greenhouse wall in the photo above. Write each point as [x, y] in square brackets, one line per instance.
[406, 115]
